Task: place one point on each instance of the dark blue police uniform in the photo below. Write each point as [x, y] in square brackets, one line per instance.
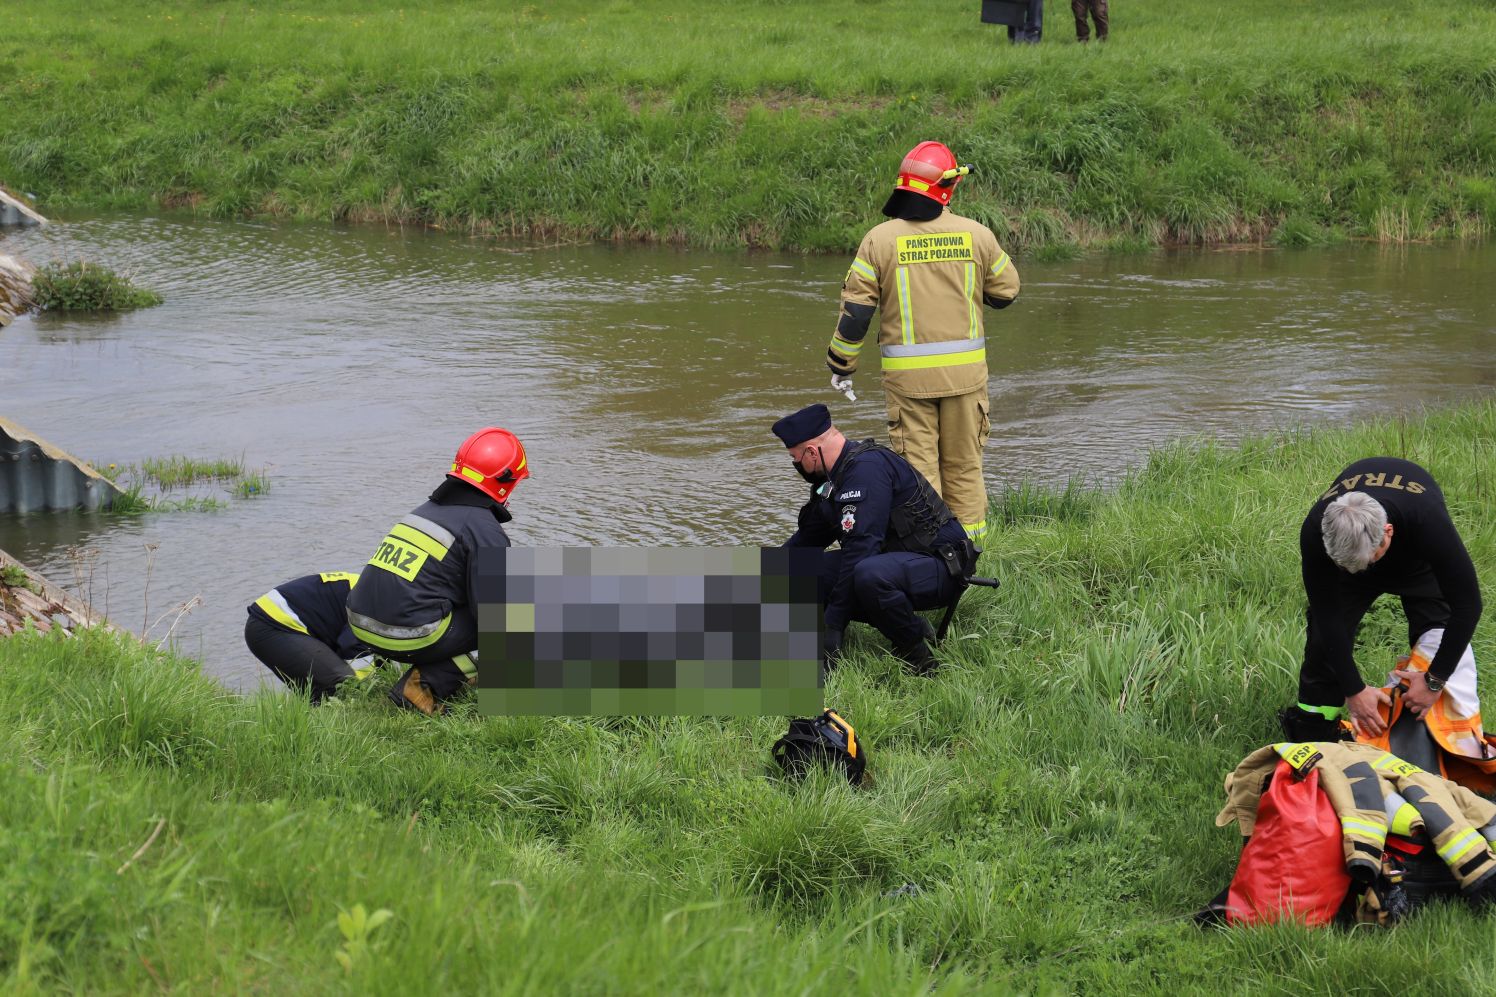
[871, 578]
[901, 549]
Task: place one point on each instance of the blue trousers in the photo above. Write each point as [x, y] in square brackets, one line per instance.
[888, 588]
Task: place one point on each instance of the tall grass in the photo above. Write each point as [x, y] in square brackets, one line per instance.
[763, 122]
[1039, 816]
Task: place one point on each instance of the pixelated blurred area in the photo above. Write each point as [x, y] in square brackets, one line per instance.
[612, 631]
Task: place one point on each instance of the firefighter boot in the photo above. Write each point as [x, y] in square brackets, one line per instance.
[918, 657]
[412, 694]
[1302, 725]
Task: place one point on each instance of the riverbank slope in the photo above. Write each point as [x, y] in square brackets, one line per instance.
[766, 123]
[1040, 815]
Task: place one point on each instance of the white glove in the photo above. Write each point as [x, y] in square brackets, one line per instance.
[844, 385]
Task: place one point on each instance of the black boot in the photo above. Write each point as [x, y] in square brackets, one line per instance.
[918, 657]
[1302, 725]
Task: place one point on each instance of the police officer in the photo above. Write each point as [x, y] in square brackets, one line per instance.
[929, 272]
[901, 549]
[416, 600]
[299, 630]
[1382, 528]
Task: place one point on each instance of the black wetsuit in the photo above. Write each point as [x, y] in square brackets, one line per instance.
[1426, 565]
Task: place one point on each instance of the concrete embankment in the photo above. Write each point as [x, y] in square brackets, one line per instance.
[15, 273]
[26, 597]
[14, 211]
[15, 288]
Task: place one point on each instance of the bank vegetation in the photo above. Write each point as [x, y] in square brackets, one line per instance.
[1039, 817]
[775, 123]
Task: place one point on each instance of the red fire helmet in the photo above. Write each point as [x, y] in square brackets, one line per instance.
[931, 169]
[491, 460]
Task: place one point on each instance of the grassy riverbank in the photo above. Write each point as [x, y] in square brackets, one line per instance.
[1050, 796]
[763, 122]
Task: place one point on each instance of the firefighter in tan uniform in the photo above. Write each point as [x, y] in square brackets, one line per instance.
[929, 271]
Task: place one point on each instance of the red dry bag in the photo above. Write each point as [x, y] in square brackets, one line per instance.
[1294, 865]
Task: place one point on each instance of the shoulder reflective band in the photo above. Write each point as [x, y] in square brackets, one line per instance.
[937, 247]
[393, 638]
[440, 534]
[278, 609]
[1001, 264]
[863, 268]
[1395, 765]
[409, 543]
[917, 356]
[1300, 757]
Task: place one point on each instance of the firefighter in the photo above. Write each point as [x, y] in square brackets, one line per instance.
[299, 630]
[901, 549]
[1383, 528]
[929, 272]
[416, 601]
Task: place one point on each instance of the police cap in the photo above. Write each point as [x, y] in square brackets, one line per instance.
[806, 424]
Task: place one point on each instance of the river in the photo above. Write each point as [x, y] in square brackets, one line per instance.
[351, 361]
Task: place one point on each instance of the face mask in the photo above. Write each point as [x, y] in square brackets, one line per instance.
[814, 477]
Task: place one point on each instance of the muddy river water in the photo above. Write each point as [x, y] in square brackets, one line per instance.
[350, 362]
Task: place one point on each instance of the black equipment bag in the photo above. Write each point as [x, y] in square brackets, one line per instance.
[1412, 875]
[826, 739]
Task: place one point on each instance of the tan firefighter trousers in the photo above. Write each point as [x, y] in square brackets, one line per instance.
[943, 438]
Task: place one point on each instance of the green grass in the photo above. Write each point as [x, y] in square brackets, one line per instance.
[87, 287]
[252, 483]
[14, 576]
[170, 472]
[763, 122]
[150, 485]
[1050, 794]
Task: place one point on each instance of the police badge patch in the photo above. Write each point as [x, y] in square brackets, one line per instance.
[849, 518]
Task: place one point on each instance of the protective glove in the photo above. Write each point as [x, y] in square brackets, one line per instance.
[831, 644]
[844, 385]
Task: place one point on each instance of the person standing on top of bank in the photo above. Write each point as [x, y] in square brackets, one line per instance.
[1383, 528]
[929, 271]
[416, 601]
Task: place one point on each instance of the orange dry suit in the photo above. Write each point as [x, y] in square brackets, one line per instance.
[1466, 753]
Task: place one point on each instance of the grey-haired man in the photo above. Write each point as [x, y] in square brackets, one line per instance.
[1381, 529]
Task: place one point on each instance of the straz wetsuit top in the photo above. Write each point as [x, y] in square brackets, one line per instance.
[1423, 540]
[873, 502]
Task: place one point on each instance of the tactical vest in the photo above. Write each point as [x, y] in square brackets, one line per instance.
[914, 525]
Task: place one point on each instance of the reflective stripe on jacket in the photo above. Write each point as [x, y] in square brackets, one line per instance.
[1368, 787]
[421, 580]
[314, 605]
[929, 280]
